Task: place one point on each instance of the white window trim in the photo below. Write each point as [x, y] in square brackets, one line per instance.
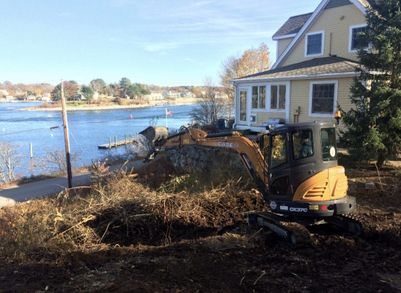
[350, 50]
[331, 115]
[258, 110]
[242, 89]
[306, 44]
[287, 88]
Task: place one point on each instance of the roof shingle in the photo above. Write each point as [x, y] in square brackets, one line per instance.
[314, 67]
[292, 25]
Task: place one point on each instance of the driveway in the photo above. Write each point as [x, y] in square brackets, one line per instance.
[48, 187]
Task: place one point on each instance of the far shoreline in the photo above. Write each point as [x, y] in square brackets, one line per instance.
[89, 107]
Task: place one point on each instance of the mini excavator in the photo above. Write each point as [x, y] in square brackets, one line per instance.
[294, 167]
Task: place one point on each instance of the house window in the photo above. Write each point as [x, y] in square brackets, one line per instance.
[314, 44]
[323, 98]
[356, 42]
[258, 97]
[278, 94]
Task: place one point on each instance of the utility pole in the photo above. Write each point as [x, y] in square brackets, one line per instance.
[66, 136]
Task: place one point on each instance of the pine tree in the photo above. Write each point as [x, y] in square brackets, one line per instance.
[374, 123]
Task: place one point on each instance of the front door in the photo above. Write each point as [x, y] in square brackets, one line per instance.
[242, 106]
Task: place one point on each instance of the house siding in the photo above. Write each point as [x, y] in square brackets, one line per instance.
[282, 45]
[300, 96]
[335, 23]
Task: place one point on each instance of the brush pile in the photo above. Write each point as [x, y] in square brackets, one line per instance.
[119, 210]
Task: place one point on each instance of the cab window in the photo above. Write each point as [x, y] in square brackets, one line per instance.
[302, 142]
[329, 146]
[278, 151]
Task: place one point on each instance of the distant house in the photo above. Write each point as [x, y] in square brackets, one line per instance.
[154, 96]
[31, 98]
[171, 95]
[315, 67]
[46, 99]
[187, 94]
[78, 97]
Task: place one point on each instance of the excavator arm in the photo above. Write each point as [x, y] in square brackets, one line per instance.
[248, 150]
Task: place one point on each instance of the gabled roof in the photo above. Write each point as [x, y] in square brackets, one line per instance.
[291, 26]
[360, 4]
[314, 68]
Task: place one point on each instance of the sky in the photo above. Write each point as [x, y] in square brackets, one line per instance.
[161, 42]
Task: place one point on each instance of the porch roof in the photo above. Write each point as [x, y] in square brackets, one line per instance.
[314, 68]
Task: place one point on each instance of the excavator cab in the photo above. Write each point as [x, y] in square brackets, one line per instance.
[304, 176]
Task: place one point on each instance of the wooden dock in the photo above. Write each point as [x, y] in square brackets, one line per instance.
[116, 143]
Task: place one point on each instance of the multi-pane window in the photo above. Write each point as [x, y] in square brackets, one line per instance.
[278, 94]
[314, 44]
[357, 41]
[323, 97]
[258, 97]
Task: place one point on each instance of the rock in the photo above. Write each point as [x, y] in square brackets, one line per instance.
[6, 202]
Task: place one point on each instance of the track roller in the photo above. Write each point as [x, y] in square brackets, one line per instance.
[347, 223]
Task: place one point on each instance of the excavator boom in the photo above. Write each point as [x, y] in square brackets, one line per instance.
[248, 150]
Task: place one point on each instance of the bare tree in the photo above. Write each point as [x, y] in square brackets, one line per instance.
[57, 158]
[8, 162]
[211, 106]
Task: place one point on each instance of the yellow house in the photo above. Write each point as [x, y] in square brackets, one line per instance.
[315, 67]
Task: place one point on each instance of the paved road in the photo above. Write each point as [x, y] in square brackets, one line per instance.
[48, 187]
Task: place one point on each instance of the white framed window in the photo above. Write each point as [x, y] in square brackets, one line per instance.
[259, 97]
[314, 44]
[323, 98]
[355, 41]
[278, 97]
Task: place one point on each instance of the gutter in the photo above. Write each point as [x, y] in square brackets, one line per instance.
[297, 77]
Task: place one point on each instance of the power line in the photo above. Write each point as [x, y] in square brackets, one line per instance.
[29, 130]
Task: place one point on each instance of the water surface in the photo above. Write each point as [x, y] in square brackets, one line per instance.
[88, 129]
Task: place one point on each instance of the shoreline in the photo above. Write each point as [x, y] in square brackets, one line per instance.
[113, 107]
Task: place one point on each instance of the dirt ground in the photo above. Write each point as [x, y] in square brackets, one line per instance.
[226, 259]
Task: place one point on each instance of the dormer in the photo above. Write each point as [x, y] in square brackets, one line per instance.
[331, 30]
[288, 31]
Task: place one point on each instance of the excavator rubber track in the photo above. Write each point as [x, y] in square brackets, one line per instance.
[295, 233]
[349, 223]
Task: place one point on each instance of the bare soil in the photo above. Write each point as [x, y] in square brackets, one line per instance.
[208, 250]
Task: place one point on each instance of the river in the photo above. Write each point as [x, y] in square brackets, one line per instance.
[88, 129]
